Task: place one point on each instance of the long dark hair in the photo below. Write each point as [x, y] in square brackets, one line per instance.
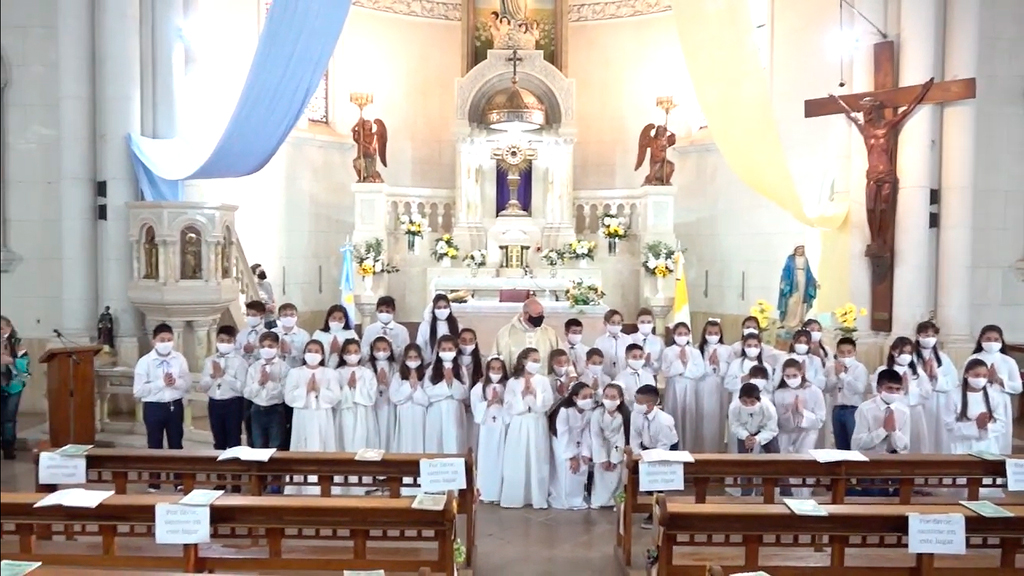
[807, 326]
[801, 333]
[330, 312]
[13, 340]
[898, 345]
[477, 364]
[404, 372]
[318, 344]
[793, 363]
[927, 326]
[504, 373]
[621, 408]
[437, 367]
[986, 330]
[748, 319]
[971, 365]
[346, 344]
[704, 334]
[568, 402]
[453, 324]
[760, 350]
[383, 340]
[520, 365]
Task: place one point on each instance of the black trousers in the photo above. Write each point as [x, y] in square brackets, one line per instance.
[247, 421]
[164, 419]
[226, 422]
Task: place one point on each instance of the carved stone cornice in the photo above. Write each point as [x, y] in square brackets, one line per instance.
[430, 9]
[616, 9]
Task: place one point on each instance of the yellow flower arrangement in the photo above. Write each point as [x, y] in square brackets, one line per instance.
[366, 269]
[762, 311]
[445, 248]
[661, 271]
[846, 318]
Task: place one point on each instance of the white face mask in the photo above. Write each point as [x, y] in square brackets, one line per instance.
[336, 327]
[313, 358]
[646, 328]
[585, 404]
[928, 342]
[447, 355]
[381, 355]
[533, 367]
[793, 381]
[288, 321]
[560, 370]
[848, 361]
[815, 337]
[749, 410]
[614, 330]
[759, 382]
[413, 364]
[635, 364]
[801, 349]
[385, 317]
[752, 351]
[465, 360]
[903, 359]
[889, 398]
[442, 313]
[573, 339]
[494, 377]
[977, 383]
[351, 359]
[467, 349]
[681, 340]
[747, 331]
[610, 404]
[992, 347]
[164, 348]
[713, 338]
[268, 353]
[595, 369]
[253, 321]
[639, 409]
[224, 349]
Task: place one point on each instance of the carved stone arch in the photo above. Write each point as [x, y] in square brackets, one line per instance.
[529, 82]
[185, 221]
[535, 74]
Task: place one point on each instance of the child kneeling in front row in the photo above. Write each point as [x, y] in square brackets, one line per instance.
[650, 428]
[754, 424]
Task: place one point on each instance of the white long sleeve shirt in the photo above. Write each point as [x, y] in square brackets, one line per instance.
[614, 349]
[810, 417]
[1006, 368]
[536, 404]
[249, 336]
[632, 380]
[654, 345]
[149, 377]
[572, 434]
[297, 339]
[398, 334]
[328, 391]
[656, 429]
[964, 435]
[673, 367]
[814, 370]
[273, 391]
[401, 392]
[607, 436]
[577, 357]
[763, 424]
[230, 384]
[850, 387]
[869, 434]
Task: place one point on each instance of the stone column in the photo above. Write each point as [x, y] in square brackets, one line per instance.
[168, 65]
[956, 203]
[118, 112]
[468, 229]
[558, 190]
[204, 334]
[920, 58]
[77, 175]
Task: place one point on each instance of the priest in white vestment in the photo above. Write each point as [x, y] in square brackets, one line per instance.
[526, 330]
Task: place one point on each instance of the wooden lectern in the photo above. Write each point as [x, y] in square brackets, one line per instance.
[71, 394]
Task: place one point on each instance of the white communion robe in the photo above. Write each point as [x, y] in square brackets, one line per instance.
[527, 463]
[465, 375]
[947, 380]
[1009, 372]
[814, 370]
[312, 417]
[681, 392]
[798, 431]
[965, 436]
[607, 440]
[491, 424]
[446, 417]
[712, 401]
[410, 416]
[571, 440]
[333, 360]
[740, 367]
[382, 405]
[355, 417]
[423, 336]
[919, 391]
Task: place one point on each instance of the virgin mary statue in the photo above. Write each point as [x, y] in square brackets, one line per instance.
[514, 9]
[797, 289]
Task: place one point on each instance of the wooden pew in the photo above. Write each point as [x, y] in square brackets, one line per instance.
[122, 467]
[64, 571]
[757, 528]
[771, 471]
[249, 534]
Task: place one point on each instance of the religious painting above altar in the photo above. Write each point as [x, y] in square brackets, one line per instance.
[515, 25]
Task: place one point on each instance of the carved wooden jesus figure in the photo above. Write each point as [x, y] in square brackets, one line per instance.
[880, 137]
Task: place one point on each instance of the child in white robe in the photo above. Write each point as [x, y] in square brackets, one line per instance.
[752, 327]
[940, 369]
[636, 373]
[446, 414]
[471, 371]
[488, 400]
[355, 417]
[593, 374]
[437, 322]
[917, 390]
[799, 349]
[753, 429]
[613, 343]
[653, 344]
[410, 402]
[971, 413]
[738, 373]
[801, 409]
[574, 345]
[609, 425]
[385, 326]
[527, 462]
[1003, 372]
[382, 363]
[312, 391]
[337, 328]
[569, 423]
[560, 373]
[682, 365]
[819, 351]
[712, 399]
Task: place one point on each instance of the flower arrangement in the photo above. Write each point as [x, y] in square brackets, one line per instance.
[552, 257]
[459, 552]
[445, 248]
[413, 225]
[581, 293]
[370, 258]
[475, 259]
[579, 250]
[614, 227]
[762, 311]
[620, 497]
[846, 318]
[659, 259]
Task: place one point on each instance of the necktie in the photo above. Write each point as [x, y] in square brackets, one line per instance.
[636, 376]
[646, 434]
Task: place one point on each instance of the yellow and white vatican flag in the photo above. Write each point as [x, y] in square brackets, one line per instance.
[681, 306]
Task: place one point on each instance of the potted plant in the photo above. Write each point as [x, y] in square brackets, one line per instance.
[659, 261]
[475, 260]
[846, 319]
[370, 261]
[614, 228]
[552, 258]
[580, 250]
[581, 294]
[445, 249]
[413, 226]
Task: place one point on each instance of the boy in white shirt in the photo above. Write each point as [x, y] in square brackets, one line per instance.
[637, 374]
[575, 347]
[754, 424]
[613, 343]
[264, 387]
[387, 327]
[593, 374]
[650, 428]
[846, 380]
[293, 339]
[652, 344]
[883, 425]
[248, 338]
[162, 379]
[223, 379]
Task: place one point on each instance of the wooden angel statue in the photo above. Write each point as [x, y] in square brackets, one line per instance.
[370, 144]
[658, 140]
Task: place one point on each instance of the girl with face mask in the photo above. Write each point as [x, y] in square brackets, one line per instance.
[384, 367]
[801, 411]
[527, 461]
[410, 402]
[560, 373]
[312, 391]
[355, 416]
[446, 415]
[488, 400]
[752, 327]
[653, 344]
[438, 320]
[941, 371]
[917, 390]
[609, 434]
[800, 350]
[712, 401]
[682, 366]
[738, 374]
[971, 414]
[471, 371]
[569, 423]
[337, 328]
[1003, 372]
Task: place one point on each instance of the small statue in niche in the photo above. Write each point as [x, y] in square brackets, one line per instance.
[225, 255]
[105, 329]
[658, 140]
[151, 255]
[370, 144]
[191, 254]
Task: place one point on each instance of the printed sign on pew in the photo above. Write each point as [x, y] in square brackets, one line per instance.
[662, 470]
[442, 474]
[936, 534]
[188, 520]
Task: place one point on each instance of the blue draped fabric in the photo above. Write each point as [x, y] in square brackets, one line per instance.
[524, 193]
[787, 285]
[294, 49]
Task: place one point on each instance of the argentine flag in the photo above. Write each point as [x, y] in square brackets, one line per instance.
[348, 283]
[681, 306]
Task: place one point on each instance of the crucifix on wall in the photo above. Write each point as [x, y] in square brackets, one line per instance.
[879, 123]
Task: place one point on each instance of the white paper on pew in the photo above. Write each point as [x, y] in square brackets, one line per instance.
[75, 498]
[661, 476]
[442, 474]
[430, 501]
[829, 455]
[370, 454]
[362, 573]
[74, 449]
[56, 468]
[1015, 474]
[177, 524]
[659, 455]
[17, 567]
[936, 534]
[758, 573]
[200, 497]
[247, 454]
